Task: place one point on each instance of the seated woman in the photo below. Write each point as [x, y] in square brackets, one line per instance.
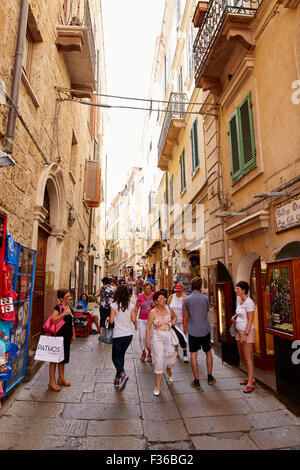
[83, 305]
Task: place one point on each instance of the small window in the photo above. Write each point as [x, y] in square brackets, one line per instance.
[242, 141]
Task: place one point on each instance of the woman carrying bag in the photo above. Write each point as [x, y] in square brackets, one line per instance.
[175, 302]
[62, 311]
[122, 315]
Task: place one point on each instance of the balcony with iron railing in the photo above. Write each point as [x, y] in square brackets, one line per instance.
[75, 39]
[226, 23]
[174, 121]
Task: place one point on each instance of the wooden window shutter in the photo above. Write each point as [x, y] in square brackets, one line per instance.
[234, 147]
[182, 171]
[248, 159]
[92, 183]
[195, 126]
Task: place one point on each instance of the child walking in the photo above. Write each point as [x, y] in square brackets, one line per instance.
[122, 315]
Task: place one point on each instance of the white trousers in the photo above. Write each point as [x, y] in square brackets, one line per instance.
[161, 343]
[142, 326]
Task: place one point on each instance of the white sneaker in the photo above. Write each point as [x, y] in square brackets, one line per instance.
[156, 392]
[185, 359]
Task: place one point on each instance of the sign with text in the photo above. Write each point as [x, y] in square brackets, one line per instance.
[287, 214]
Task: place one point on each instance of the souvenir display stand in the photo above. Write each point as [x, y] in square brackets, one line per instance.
[15, 334]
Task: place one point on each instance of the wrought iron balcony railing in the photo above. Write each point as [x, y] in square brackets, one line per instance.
[212, 23]
[175, 110]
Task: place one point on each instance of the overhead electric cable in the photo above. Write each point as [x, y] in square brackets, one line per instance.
[151, 100]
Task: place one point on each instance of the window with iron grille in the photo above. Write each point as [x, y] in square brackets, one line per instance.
[242, 141]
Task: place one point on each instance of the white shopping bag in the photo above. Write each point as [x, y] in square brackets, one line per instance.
[50, 349]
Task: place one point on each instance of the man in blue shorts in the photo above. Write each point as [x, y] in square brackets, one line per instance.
[196, 306]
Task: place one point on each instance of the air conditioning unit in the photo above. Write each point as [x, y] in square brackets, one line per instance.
[92, 183]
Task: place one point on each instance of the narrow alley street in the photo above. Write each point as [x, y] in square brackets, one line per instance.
[91, 415]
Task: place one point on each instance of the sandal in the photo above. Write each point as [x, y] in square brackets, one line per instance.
[149, 358]
[143, 356]
[63, 382]
[248, 389]
[244, 382]
[54, 388]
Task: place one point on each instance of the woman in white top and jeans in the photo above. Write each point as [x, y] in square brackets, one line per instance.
[122, 315]
[245, 336]
[175, 303]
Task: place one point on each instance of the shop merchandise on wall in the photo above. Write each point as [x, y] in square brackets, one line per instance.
[16, 284]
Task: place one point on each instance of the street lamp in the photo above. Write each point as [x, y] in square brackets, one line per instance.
[230, 214]
[273, 194]
[6, 160]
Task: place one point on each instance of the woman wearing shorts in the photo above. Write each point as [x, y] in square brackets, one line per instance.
[245, 336]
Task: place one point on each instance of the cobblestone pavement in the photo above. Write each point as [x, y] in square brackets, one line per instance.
[91, 414]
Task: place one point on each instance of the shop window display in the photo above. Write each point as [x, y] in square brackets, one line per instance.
[282, 306]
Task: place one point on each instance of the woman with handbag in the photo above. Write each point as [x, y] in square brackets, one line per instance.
[144, 303]
[245, 331]
[175, 303]
[122, 315]
[62, 311]
[162, 320]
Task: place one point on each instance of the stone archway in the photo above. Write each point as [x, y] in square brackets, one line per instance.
[54, 221]
[245, 267]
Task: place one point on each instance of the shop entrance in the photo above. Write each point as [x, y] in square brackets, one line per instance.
[38, 300]
[264, 343]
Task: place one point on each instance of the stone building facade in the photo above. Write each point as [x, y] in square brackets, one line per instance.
[56, 137]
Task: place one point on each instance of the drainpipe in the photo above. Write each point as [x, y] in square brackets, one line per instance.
[17, 74]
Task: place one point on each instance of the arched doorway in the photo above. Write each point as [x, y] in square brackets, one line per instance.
[264, 342]
[252, 269]
[50, 222]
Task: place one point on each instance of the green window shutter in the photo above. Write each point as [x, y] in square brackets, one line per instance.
[194, 144]
[248, 154]
[171, 193]
[234, 147]
[195, 125]
[182, 171]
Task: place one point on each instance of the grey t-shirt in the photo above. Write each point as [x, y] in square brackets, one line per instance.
[197, 306]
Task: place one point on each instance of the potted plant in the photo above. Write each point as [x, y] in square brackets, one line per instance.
[199, 14]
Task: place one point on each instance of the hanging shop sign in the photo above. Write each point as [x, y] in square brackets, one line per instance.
[287, 214]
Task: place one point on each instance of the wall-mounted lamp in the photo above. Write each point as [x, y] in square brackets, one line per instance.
[6, 160]
[273, 194]
[230, 214]
[80, 247]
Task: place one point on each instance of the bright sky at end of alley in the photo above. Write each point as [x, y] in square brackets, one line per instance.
[130, 31]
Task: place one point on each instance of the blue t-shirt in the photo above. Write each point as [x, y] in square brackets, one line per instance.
[82, 305]
[197, 306]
